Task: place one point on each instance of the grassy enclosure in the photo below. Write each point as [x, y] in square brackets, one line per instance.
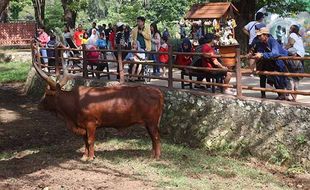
[14, 71]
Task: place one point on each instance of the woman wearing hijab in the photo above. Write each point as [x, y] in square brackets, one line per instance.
[183, 59]
[93, 38]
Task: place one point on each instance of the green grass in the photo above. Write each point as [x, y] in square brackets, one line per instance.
[182, 167]
[14, 71]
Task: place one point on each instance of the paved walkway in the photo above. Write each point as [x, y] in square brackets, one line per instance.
[246, 80]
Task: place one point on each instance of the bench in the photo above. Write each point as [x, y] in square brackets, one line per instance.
[209, 76]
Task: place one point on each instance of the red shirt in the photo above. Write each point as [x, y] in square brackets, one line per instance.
[208, 62]
[184, 60]
[163, 58]
[112, 39]
[44, 38]
[78, 37]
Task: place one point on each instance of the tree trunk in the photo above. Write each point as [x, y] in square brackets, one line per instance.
[39, 11]
[4, 16]
[247, 11]
[69, 15]
[3, 5]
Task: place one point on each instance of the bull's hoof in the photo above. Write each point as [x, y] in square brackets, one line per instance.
[87, 159]
[84, 158]
[156, 157]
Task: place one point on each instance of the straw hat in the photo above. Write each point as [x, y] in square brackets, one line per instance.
[261, 31]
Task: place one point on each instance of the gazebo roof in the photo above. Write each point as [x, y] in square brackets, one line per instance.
[210, 10]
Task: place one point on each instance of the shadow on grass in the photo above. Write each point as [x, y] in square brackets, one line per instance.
[35, 140]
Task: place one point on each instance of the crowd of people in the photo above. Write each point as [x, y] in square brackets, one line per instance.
[144, 37]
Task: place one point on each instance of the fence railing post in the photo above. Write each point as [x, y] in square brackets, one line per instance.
[57, 59]
[120, 65]
[170, 68]
[85, 71]
[238, 73]
[39, 55]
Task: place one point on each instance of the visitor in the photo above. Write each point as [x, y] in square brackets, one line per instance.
[249, 29]
[182, 31]
[107, 34]
[212, 62]
[253, 48]
[142, 33]
[101, 43]
[67, 35]
[295, 41]
[78, 36]
[164, 58]
[166, 33]
[155, 47]
[120, 36]
[270, 49]
[43, 38]
[127, 32]
[93, 38]
[51, 52]
[94, 26]
[183, 59]
[112, 38]
[136, 68]
[296, 48]
[279, 34]
[85, 38]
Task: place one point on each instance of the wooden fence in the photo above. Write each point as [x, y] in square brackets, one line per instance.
[239, 72]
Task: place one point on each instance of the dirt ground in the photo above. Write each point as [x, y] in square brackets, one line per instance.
[37, 162]
[30, 158]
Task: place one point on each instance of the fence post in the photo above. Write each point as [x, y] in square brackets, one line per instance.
[57, 61]
[170, 68]
[238, 73]
[85, 72]
[120, 65]
[39, 55]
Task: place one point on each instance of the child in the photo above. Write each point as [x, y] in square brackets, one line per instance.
[85, 38]
[101, 42]
[136, 68]
[164, 58]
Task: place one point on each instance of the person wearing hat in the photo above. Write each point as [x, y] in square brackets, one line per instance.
[249, 29]
[270, 49]
[254, 48]
[142, 33]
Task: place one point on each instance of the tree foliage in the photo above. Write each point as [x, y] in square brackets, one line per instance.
[285, 7]
[16, 6]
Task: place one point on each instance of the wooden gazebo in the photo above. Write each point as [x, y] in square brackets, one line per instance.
[211, 11]
[222, 12]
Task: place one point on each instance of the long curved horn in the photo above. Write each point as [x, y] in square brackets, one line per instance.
[49, 81]
[65, 77]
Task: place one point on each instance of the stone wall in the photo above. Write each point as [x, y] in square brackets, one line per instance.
[275, 132]
[279, 133]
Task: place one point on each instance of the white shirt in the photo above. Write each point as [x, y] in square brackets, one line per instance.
[250, 27]
[298, 45]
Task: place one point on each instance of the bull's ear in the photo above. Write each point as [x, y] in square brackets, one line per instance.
[58, 87]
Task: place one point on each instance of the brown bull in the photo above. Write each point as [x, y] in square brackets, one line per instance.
[86, 108]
